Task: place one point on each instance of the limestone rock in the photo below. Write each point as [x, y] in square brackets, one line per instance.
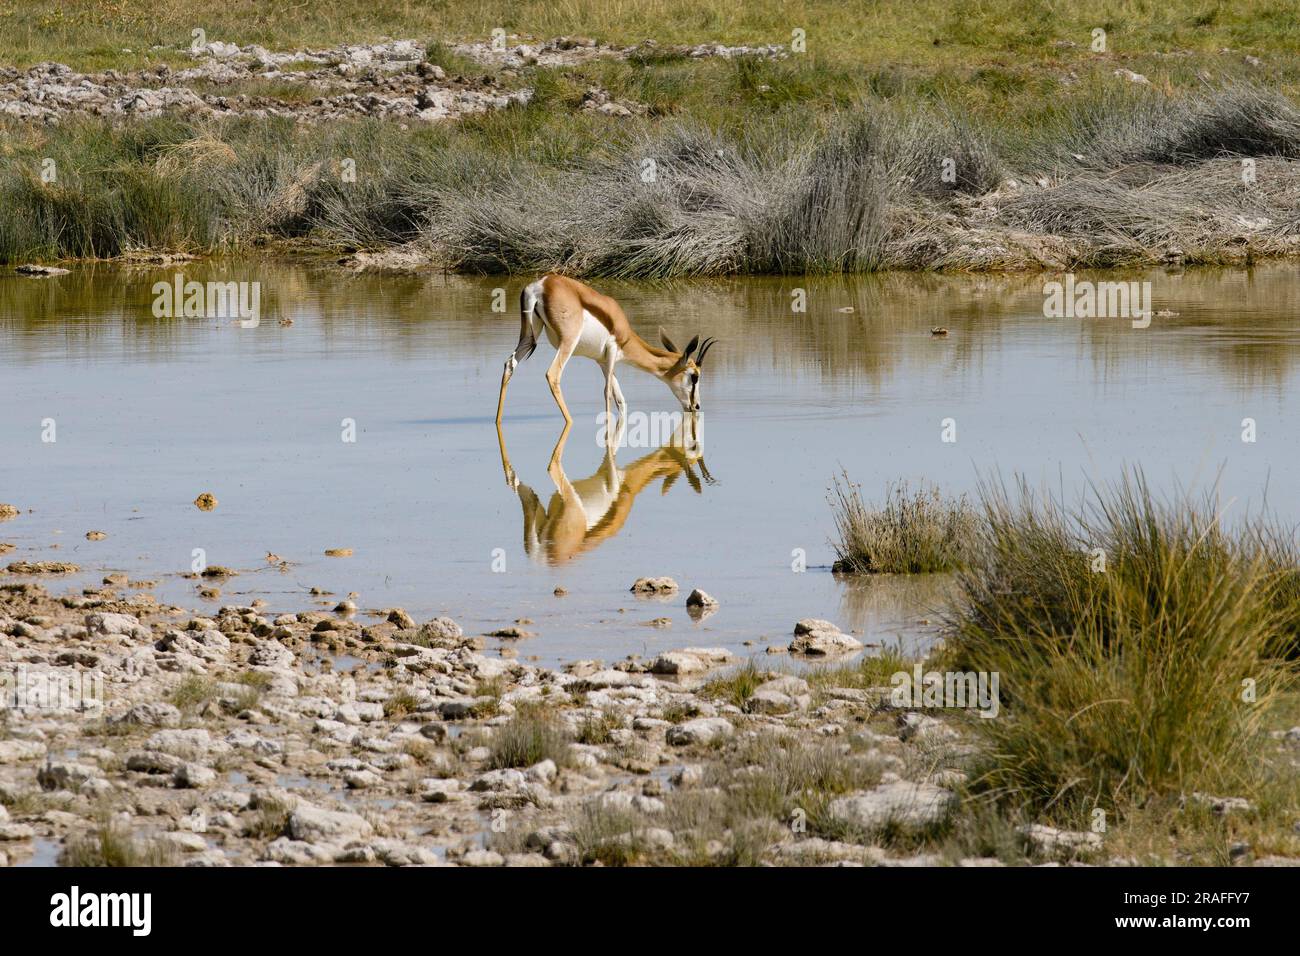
[312, 824]
[701, 599]
[653, 586]
[701, 730]
[817, 638]
[1049, 841]
[690, 660]
[912, 806]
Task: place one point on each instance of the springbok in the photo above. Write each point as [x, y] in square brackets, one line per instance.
[580, 321]
[585, 512]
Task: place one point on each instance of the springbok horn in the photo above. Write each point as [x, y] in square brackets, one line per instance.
[668, 343]
[680, 364]
[708, 344]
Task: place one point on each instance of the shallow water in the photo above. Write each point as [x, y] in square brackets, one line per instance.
[150, 412]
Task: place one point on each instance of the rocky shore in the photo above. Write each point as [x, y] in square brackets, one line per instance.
[250, 737]
[140, 733]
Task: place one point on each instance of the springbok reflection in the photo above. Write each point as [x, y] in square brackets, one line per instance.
[585, 512]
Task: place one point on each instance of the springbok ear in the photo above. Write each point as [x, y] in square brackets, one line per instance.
[668, 343]
[680, 365]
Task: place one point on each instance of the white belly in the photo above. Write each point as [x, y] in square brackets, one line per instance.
[598, 496]
[595, 342]
[595, 507]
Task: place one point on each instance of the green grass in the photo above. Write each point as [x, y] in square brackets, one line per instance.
[737, 685]
[192, 693]
[831, 160]
[997, 35]
[596, 729]
[112, 844]
[441, 53]
[867, 671]
[532, 735]
[1137, 643]
[754, 794]
[271, 820]
[912, 532]
[400, 704]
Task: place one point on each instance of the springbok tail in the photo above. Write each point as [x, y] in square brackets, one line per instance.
[527, 336]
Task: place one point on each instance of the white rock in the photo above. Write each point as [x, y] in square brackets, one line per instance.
[194, 775]
[690, 660]
[1050, 841]
[701, 730]
[189, 744]
[313, 824]
[818, 638]
[496, 781]
[901, 803]
[698, 598]
[653, 586]
[12, 751]
[106, 624]
[544, 772]
[152, 714]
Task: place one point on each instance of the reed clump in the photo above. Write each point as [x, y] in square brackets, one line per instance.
[1139, 644]
[1106, 178]
[914, 531]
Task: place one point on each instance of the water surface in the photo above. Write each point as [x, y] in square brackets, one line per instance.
[150, 412]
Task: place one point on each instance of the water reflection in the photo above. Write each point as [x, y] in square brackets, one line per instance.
[584, 513]
[903, 610]
[855, 330]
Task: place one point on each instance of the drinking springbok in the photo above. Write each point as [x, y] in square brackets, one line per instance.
[580, 321]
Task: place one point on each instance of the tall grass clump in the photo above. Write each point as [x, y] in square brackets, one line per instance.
[116, 190]
[835, 214]
[912, 532]
[1108, 127]
[1110, 176]
[689, 214]
[111, 844]
[1136, 642]
[534, 734]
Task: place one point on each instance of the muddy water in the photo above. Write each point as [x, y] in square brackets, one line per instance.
[147, 413]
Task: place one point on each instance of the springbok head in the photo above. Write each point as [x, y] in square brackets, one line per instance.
[683, 376]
